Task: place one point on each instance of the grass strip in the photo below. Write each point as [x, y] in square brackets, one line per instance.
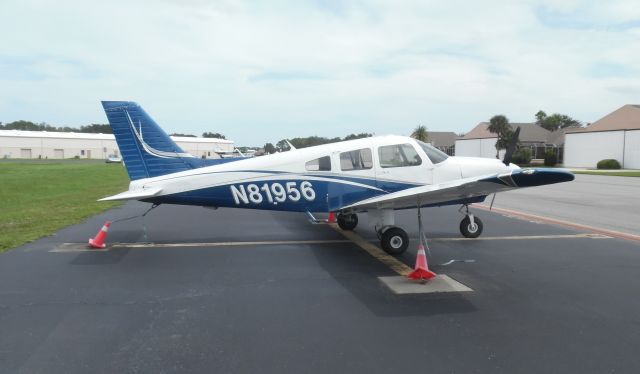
[39, 197]
[609, 173]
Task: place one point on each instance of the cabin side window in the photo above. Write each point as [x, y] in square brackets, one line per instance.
[359, 159]
[319, 164]
[398, 155]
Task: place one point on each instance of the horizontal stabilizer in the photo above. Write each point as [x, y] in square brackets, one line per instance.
[134, 195]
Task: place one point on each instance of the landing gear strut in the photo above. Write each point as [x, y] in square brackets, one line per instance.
[347, 222]
[470, 226]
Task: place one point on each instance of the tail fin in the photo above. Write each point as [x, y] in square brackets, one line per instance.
[146, 149]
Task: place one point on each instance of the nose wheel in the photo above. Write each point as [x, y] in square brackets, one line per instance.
[471, 226]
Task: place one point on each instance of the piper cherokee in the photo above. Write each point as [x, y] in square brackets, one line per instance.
[377, 175]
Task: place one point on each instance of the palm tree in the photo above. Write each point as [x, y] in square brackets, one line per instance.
[421, 133]
[499, 124]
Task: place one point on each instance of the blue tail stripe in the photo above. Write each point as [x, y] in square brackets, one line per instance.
[139, 162]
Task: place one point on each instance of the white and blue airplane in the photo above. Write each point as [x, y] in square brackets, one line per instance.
[377, 175]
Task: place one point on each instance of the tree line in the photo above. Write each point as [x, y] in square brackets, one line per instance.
[309, 141]
[216, 135]
[94, 128]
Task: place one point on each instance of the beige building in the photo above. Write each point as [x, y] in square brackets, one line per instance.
[615, 136]
[59, 145]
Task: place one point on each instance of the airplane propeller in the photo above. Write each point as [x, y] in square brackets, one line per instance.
[508, 155]
[511, 148]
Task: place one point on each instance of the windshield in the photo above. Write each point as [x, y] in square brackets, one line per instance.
[435, 155]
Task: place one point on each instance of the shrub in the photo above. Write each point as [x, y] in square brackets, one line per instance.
[550, 158]
[609, 164]
[522, 156]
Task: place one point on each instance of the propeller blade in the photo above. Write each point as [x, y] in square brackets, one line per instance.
[511, 148]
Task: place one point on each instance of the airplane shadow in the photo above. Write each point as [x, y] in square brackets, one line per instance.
[357, 273]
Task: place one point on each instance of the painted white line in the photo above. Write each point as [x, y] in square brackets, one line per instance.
[524, 237]
[82, 247]
[226, 244]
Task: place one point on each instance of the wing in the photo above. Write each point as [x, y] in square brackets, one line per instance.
[463, 189]
[134, 195]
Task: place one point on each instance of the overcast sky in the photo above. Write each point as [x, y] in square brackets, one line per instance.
[262, 71]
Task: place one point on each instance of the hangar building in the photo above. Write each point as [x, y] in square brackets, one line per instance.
[59, 145]
[479, 142]
[616, 136]
[444, 141]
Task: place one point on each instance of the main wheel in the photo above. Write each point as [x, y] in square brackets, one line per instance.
[394, 241]
[347, 222]
[468, 230]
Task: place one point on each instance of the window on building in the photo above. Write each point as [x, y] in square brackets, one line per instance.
[82, 152]
[319, 164]
[208, 153]
[398, 155]
[356, 160]
[435, 155]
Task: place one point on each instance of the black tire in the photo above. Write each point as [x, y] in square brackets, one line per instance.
[467, 230]
[347, 222]
[394, 241]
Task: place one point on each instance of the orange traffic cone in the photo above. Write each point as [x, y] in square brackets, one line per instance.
[332, 218]
[421, 271]
[98, 241]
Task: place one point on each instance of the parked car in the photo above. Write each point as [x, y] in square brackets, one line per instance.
[113, 158]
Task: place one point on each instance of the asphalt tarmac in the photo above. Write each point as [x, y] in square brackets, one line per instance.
[601, 201]
[299, 297]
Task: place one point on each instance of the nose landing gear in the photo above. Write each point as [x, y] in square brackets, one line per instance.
[470, 226]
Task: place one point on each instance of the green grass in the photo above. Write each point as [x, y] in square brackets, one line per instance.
[610, 173]
[39, 197]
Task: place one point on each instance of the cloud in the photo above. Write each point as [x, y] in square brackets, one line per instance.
[259, 72]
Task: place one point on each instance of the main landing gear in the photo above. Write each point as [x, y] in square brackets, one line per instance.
[395, 240]
[347, 221]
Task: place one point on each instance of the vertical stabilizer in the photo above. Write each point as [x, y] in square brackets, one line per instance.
[146, 149]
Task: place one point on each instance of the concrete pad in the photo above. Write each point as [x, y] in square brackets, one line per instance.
[441, 283]
[77, 247]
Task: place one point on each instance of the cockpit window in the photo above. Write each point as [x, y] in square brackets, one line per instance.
[435, 155]
[319, 164]
[356, 160]
[398, 155]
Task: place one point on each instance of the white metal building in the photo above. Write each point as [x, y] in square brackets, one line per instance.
[615, 136]
[58, 145]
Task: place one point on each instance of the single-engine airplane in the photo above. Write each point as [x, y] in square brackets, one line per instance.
[377, 175]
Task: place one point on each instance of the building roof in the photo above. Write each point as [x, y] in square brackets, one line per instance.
[529, 132]
[90, 136]
[624, 118]
[556, 137]
[442, 138]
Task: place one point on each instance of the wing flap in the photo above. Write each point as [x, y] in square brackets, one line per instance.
[134, 194]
